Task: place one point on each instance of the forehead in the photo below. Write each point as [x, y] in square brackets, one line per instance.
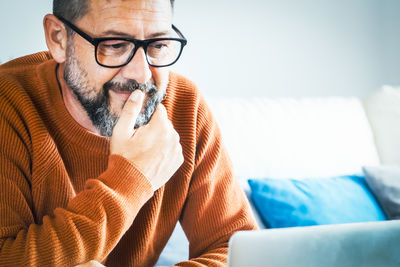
[135, 17]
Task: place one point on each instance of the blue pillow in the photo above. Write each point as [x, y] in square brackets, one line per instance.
[291, 202]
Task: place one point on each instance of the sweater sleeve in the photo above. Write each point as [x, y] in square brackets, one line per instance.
[88, 228]
[216, 206]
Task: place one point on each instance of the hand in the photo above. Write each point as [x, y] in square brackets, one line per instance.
[153, 148]
[91, 263]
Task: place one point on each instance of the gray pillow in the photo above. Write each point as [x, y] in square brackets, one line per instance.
[384, 182]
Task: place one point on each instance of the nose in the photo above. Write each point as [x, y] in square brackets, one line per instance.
[137, 69]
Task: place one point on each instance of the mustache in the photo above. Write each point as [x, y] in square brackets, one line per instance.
[130, 86]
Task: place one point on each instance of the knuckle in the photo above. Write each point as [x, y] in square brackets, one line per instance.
[176, 137]
[181, 158]
[129, 104]
[162, 112]
[164, 128]
[162, 108]
[180, 152]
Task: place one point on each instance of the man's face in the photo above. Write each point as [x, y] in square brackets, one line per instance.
[104, 91]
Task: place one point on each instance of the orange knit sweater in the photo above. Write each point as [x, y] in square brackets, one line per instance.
[64, 200]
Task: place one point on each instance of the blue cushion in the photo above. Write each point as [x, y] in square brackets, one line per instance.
[291, 202]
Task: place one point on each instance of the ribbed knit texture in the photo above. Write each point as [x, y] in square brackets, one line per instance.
[64, 200]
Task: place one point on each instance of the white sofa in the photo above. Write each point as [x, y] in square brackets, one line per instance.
[303, 138]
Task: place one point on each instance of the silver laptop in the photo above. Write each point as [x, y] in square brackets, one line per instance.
[355, 244]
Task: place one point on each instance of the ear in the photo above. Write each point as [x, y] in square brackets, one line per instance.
[56, 37]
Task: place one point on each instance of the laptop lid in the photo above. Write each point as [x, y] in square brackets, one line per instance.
[354, 244]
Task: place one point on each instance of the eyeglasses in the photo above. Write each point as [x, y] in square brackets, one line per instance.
[115, 52]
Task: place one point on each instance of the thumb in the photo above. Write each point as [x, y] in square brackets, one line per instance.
[126, 122]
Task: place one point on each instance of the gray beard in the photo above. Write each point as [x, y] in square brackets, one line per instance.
[97, 105]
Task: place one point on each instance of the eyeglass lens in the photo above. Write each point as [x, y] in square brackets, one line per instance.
[117, 52]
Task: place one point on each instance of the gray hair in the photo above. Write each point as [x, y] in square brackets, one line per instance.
[73, 10]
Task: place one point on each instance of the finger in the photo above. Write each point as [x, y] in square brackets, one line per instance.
[125, 126]
[91, 263]
[159, 114]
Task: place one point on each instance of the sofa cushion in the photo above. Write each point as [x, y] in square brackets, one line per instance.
[384, 182]
[295, 137]
[383, 110]
[304, 202]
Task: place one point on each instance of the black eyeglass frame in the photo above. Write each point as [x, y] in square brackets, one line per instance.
[138, 43]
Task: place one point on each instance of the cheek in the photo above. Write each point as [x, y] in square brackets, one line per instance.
[160, 77]
[100, 75]
[95, 74]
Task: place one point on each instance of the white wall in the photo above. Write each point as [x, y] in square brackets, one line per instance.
[261, 47]
[391, 39]
[21, 27]
[288, 47]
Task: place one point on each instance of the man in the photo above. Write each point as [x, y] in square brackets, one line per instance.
[103, 150]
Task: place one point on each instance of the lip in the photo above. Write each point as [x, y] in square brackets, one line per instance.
[121, 94]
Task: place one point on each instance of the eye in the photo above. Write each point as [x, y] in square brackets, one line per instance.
[159, 45]
[114, 44]
[114, 47]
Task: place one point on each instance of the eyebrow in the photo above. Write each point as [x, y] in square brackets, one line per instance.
[125, 35]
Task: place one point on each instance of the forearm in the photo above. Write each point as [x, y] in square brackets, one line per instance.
[214, 257]
[221, 214]
[220, 207]
[88, 228]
